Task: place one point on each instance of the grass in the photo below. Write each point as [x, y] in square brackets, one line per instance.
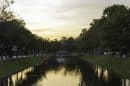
[115, 64]
[11, 66]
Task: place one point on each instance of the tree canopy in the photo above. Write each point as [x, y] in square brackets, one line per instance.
[15, 38]
[111, 31]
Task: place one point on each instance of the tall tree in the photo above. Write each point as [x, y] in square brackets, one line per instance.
[115, 27]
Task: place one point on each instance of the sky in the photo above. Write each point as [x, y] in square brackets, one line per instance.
[57, 18]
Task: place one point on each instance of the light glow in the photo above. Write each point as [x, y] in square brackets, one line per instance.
[57, 18]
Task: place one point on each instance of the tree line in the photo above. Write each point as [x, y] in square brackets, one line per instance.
[111, 32]
[15, 38]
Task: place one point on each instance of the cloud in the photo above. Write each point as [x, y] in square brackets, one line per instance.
[57, 16]
[41, 29]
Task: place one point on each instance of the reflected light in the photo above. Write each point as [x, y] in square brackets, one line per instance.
[105, 74]
[125, 82]
[20, 76]
[52, 79]
[102, 73]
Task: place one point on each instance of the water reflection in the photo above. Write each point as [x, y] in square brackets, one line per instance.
[60, 78]
[125, 82]
[72, 72]
[101, 72]
[16, 78]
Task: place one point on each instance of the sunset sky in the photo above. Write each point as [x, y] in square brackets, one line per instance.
[57, 18]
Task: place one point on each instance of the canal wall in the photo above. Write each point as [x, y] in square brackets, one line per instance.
[12, 66]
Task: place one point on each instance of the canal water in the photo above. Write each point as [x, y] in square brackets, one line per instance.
[70, 71]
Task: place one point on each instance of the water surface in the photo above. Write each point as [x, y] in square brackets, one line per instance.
[70, 71]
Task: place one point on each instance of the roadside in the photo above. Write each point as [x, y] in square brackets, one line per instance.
[115, 64]
[12, 66]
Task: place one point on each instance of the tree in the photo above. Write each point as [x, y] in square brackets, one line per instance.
[5, 13]
[111, 31]
[15, 38]
[82, 40]
[116, 27]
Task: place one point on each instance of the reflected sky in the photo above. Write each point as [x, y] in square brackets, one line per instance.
[59, 79]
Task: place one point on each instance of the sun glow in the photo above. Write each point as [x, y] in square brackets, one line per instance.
[60, 16]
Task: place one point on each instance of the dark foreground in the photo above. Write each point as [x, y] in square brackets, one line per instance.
[70, 71]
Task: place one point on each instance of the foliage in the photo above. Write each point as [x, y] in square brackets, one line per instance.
[15, 38]
[111, 31]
